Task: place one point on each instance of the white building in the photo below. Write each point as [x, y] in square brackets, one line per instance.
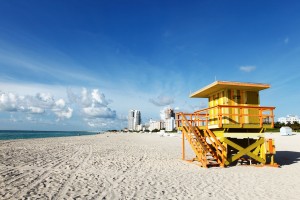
[170, 124]
[289, 119]
[156, 125]
[134, 119]
[167, 121]
[139, 127]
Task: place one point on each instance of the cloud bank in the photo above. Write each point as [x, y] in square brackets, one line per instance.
[38, 104]
[90, 106]
[95, 105]
[162, 100]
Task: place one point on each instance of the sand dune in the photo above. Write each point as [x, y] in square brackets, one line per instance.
[136, 166]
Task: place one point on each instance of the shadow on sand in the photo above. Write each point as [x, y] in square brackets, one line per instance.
[287, 157]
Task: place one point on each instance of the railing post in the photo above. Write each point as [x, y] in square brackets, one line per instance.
[183, 147]
[272, 115]
[220, 116]
[260, 117]
[241, 116]
[206, 119]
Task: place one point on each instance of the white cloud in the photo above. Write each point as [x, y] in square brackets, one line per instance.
[65, 113]
[45, 97]
[95, 105]
[99, 112]
[60, 103]
[71, 96]
[96, 110]
[162, 100]
[84, 97]
[247, 68]
[37, 104]
[91, 124]
[93, 98]
[286, 40]
[99, 98]
[61, 110]
[8, 102]
[36, 110]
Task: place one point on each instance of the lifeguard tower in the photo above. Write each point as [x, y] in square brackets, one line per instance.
[232, 128]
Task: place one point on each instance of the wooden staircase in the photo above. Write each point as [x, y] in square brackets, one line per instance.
[208, 149]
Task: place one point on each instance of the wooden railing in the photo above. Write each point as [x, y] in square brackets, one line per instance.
[198, 140]
[218, 146]
[196, 143]
[229, 115]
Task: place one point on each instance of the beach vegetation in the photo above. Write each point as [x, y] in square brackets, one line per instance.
[113, 130]
[295, 126]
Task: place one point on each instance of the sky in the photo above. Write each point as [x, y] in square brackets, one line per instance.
[82, 65]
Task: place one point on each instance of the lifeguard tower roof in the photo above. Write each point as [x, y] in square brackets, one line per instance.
[220, 85]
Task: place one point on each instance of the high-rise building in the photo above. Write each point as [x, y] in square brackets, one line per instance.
[169, 113]
[134, 119]
[170, 124]
[169, 119]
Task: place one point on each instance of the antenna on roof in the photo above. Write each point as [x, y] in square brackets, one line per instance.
[215, 78]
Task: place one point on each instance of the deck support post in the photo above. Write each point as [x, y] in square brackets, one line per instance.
[183, 147]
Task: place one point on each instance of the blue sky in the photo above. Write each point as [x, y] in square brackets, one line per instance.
[82, 65]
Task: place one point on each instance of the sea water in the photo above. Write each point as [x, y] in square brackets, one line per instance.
[11, 134]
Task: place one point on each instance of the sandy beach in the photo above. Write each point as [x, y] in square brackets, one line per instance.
[137, 166]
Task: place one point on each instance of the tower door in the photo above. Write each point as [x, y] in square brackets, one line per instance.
[253, 100]
[234, 99]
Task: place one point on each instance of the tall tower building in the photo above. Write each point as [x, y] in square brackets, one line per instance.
[169, 113]
[169, 119]
[134, 119]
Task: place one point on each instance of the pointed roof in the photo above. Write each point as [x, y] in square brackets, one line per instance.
[219, 85]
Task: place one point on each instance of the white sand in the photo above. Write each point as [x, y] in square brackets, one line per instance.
[136, 166]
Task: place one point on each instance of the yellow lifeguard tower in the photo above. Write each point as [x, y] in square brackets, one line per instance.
[232, 128]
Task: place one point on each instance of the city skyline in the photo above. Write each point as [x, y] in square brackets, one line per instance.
[73, 65]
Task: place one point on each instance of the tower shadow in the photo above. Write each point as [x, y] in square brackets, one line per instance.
[287, 157]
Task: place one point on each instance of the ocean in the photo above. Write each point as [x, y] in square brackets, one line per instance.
[19, 134]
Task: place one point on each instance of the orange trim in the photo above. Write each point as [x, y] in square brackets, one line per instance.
[219, 85]
[203, 117]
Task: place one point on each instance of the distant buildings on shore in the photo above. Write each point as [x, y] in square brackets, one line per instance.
[289, 119]
[168, 123]
[134, 120]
